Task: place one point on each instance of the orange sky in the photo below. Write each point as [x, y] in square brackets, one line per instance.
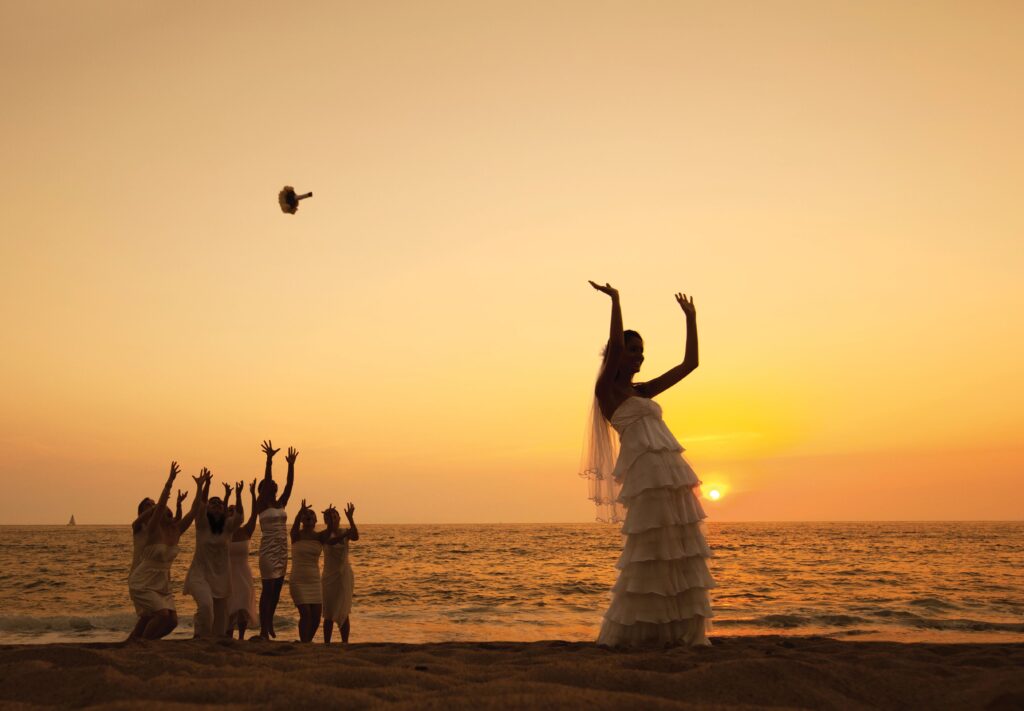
[838, 187]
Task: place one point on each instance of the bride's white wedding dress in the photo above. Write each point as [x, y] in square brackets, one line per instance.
[661, 596]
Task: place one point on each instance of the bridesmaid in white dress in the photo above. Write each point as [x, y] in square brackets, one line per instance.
[338, 580]
[208, 579]
[150, 581]
[242, 610]
[304, 585]
[661, 595]
[274, 538]
[146, 509]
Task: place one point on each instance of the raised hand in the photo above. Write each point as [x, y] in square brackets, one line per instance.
[181, 496]
[268, 449]
[252, 488]
[293, 454]
[227, 491]
[350, 510]
[686, 304]
[304, 507]
[606, 289]
[175, 471]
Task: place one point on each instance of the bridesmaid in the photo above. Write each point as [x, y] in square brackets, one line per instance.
[274, 539]
[140, 533]
[150, 581]
[338, 580]
[145, 510]
[242, 603]
[304, 584]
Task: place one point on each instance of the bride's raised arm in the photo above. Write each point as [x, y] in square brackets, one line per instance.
[690, 360]
[616, 341]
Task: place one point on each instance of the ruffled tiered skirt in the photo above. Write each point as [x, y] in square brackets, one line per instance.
[661, 595]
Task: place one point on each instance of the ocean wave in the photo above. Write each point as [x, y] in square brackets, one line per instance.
[579, 588]
[779, 621]
[31, 625]
[966, 625]
[932, 602]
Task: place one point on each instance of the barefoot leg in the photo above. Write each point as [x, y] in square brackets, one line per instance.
[303, 621]
[266, 612]
[275, 598]
[140, 626]
[315, 611]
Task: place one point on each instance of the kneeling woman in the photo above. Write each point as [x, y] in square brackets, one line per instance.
[150, 581]
[304, 585]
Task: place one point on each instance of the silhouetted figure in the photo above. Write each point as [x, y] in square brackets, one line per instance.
[304, 582]
[338, 580]
[274, 539]
[661, 595]
[208, 579]
[150, 580]
[242, 610]
[139, 536]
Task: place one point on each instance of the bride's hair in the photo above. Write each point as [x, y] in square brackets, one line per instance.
[600, 450]
[626, 335]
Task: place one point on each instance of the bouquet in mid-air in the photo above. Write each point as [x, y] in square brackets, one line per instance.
[289, 201]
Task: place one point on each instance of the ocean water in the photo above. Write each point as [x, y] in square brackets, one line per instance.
[426, 583]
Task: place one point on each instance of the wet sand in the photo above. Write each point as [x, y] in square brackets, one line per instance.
[737, 672]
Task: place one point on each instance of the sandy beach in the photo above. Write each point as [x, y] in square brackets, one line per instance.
[737, 672]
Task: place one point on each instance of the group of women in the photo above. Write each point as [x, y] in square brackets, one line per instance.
[638, 478]
[219, 577]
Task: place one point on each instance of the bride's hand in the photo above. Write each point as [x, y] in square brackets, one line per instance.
[606, 289]
[686, 304]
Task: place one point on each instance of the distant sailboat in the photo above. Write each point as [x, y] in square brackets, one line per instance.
[72, 521]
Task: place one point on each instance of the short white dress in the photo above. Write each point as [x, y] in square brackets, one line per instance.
[273, 543]
[150, 582]
[338, 582]
[304, 583]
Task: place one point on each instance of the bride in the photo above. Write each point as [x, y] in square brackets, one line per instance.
[661, 595]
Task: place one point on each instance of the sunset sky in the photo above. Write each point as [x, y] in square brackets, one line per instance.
[838, 185]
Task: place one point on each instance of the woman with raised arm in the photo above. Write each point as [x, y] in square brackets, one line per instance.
[209, 578]
[150, 582]
[304, 584]
[661, 595]
[274, 539]
[337, 580]
[146, 508]
[242, 604]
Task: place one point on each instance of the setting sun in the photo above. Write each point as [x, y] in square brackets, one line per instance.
[714, 494]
